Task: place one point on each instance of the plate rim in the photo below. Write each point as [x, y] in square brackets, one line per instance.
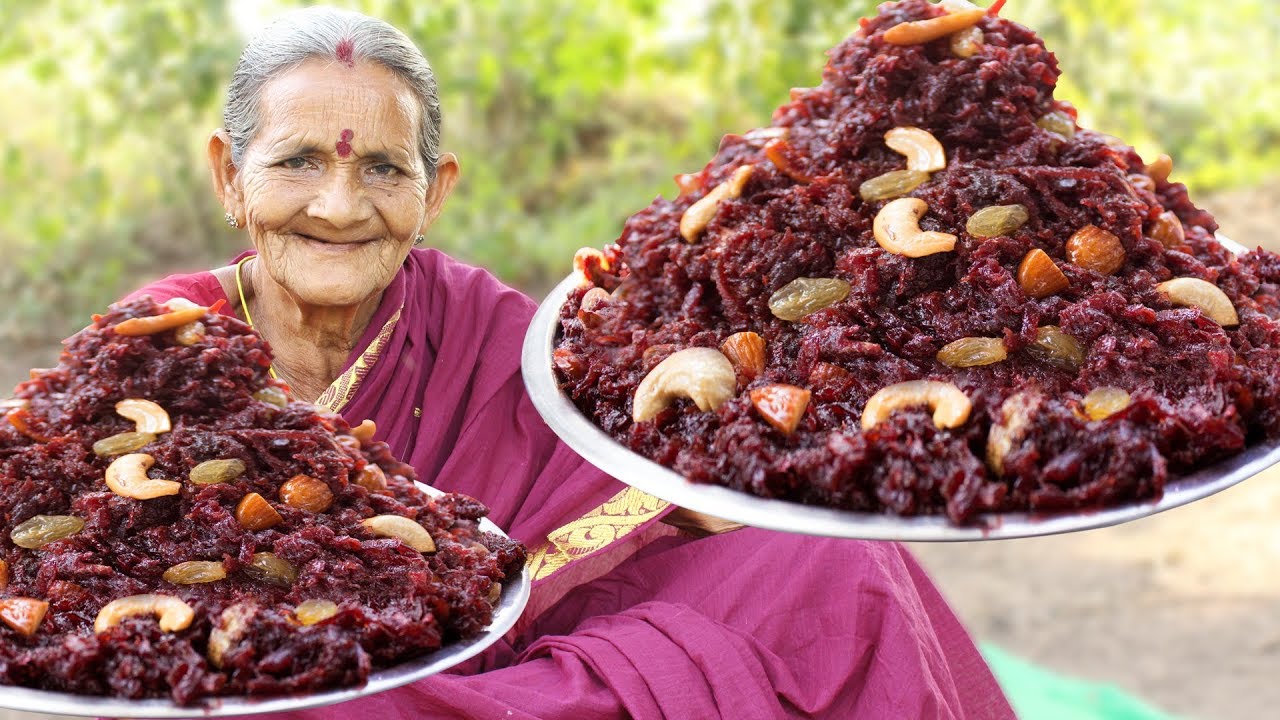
[607, 454]
[515, 596]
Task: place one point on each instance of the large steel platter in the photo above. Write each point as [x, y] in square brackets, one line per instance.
[611, 456]
[515, 595]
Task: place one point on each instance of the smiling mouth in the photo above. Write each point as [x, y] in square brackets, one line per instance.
[333, 244]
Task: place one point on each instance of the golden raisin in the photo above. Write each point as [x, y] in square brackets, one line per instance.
[972, 352]
[41, 530]
[1055, 347]
[122, 444]
[271, 568]
[892, 185]
[1103, 402]
[804, 296]
[1058, 122]
[195, 571]
[213, 472]
[310, 612]
[997, 221]
[272, 395]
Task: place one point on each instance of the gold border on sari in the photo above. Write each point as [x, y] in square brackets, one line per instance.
[618, 517]
[340, 391]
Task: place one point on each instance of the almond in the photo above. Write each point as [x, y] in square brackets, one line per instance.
[1040, 276]
[569, 364]
[746, 351]
[23, 614]
[781, 406]
[4, 574]
[255, 513]
[1093, 248]
[372, 478]
[306, 493]
[1169, 231]
[779, 153]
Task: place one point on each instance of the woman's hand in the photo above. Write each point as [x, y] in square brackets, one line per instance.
[699, 524]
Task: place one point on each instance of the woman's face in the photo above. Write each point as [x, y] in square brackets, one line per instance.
[333, 190]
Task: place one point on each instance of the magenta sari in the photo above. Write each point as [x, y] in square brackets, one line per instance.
[628, 617]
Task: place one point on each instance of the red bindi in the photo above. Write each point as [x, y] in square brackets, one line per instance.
[346, 52]
[344, 143]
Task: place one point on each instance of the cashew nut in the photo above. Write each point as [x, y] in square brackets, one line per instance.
[950, 406]
[174, 614]
[1014, 418]
[1202, 294]
[765, 134]
[179, 303]
[897, 229]
[922, 31]
[231, 627]
[403, 529]
[699, 214]
[924, 152]
[127, 477]
[585, 257]
[149, 417]
[704, 375]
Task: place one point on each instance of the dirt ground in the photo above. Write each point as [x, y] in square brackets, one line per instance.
[1182, 609]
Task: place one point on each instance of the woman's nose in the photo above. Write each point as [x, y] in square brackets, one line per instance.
[340, 201]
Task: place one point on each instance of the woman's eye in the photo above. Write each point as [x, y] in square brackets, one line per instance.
[296, 163]
[384, 170]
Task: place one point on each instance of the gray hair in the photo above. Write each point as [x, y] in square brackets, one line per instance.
[340, 35]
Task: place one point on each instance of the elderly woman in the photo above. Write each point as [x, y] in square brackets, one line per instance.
[331, 162]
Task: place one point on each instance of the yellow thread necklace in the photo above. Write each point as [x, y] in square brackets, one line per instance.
[244, 305]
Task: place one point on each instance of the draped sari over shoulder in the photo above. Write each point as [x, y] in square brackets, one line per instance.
[628, 618]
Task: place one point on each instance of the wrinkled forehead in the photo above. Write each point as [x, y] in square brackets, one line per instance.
[320, 99]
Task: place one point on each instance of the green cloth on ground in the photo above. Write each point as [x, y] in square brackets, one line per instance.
[1038, 694]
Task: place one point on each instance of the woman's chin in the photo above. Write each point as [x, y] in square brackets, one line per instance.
[319, 293]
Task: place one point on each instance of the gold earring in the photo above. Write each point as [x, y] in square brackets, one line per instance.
[231, 220]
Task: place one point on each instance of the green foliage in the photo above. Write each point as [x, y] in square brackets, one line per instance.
[567, 116]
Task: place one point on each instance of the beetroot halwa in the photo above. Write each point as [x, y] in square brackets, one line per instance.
[1020, 263]
[239, 523]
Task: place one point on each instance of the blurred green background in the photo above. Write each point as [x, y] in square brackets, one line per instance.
[568, 116]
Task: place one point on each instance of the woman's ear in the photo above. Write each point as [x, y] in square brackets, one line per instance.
[224, 175]
[446, 177]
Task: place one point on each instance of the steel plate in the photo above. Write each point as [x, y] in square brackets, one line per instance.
[611, 456]
[515, 595]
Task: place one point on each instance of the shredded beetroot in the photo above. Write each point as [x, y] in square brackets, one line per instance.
[1199, 392]
[394, 603]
